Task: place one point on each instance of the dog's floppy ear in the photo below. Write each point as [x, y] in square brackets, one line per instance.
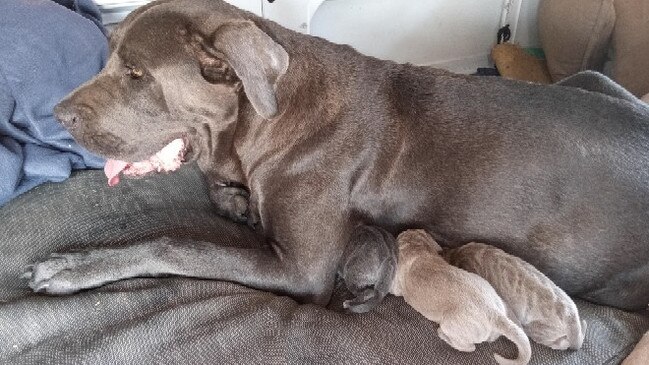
[257, 60]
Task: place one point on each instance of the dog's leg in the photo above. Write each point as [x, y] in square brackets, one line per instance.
[261, 268]
[447, 336]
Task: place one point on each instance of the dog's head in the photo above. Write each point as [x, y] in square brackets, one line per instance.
[176, 67]
[417, 238]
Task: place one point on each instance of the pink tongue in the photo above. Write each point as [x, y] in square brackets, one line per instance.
[112, 169]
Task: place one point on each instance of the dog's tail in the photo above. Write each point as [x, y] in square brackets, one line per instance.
[516, 335]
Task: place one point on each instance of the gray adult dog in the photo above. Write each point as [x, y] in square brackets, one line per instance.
[326, 139]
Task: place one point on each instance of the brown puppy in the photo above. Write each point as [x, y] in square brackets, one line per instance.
[326, 138]
[546, 313]
[466, 307]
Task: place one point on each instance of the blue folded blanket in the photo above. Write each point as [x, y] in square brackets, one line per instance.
[47, 49]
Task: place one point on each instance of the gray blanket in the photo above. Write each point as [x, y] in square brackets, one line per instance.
[180, 320]
[46, 50]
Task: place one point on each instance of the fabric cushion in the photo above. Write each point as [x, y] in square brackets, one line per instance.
[182, 320]
[575, 34]
[631, 45]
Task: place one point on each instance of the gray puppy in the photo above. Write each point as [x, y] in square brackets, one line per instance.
[367, 267]
[546, 313]
[466, 307]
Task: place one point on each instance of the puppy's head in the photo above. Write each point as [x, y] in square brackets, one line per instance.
[177, 70]
[417, 238]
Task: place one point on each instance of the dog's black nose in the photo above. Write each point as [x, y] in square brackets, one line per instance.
[66, 114]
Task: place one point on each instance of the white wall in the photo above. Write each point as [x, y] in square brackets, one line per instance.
[453, 34]
[254, 6]
[527, 34]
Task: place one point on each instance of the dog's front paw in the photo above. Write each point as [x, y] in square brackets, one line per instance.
[62, 274]
[231, 202]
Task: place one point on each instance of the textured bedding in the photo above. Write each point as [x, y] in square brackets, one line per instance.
[181, 320]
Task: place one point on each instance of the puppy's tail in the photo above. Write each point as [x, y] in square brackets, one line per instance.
[516, 335]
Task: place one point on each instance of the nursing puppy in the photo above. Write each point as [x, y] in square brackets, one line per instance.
[367, 267]
[466, 307]
[546, 313]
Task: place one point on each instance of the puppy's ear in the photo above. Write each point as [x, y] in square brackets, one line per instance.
[257, 60]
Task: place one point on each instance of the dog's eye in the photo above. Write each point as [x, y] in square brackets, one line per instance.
[134, 72]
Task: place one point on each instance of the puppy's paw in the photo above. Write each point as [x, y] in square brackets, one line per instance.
[364, 301]
[62, 274]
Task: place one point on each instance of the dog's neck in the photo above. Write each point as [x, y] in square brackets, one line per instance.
[258, 141]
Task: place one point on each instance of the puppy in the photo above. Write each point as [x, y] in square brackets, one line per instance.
[467, 308]
[546, 313]
[367, 267]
